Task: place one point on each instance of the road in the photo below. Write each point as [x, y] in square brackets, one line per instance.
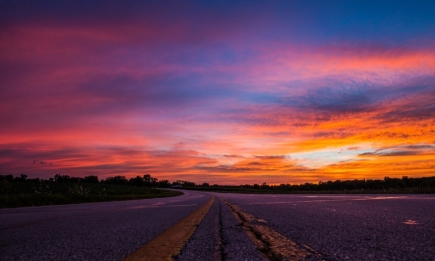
[94, 231]
[351, 227]
[235, 227]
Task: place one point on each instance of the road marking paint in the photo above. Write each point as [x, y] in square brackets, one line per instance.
[324, 200]
[170, 242]
[272, 244]
[410, 222]
[187, 205]
[137, 207]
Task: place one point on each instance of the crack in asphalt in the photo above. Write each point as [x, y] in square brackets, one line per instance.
[270, 243]
[221, 236]
[216, 234]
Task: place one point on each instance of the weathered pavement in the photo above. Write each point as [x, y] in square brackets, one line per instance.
[236, 227]
[219, 237]
[316, 227]
[350, 227]
[95, 231]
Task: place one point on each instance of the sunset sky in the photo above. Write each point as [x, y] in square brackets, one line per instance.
[227, 92]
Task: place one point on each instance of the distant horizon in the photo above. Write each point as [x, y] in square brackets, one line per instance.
[218, 91]
[227, 184]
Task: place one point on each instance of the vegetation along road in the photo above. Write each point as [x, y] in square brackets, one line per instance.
[225, 226]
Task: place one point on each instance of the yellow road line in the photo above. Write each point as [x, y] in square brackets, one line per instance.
[170, 242]
[272, 244]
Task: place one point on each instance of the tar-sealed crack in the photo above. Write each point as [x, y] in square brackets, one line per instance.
[270, 243]
[221, 238]
[206, 242]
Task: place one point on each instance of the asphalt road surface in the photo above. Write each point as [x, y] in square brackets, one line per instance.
[94, 231]
[314, 227]
[351, 227]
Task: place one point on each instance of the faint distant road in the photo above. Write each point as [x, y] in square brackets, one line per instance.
[236, 227]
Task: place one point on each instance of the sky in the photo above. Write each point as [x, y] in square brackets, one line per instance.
[224, 92]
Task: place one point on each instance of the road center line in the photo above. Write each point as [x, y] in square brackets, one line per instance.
[272, 244]
[170, 242]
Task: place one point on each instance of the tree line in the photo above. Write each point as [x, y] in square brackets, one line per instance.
[358, 184]
[147, 180]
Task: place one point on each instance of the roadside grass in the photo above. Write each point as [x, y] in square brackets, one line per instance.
[24, 194]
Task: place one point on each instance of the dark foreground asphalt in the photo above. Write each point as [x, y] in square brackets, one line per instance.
[95, 231]
[219, 237]
[348, 227]
[368, 227]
